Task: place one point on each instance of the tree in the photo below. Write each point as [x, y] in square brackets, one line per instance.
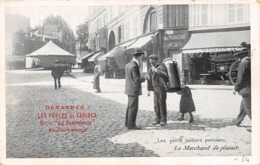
[82, 35]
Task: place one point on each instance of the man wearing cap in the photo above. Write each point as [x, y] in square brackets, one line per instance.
[133, 88]
[156, 75]
[243, 87]
[57, 73]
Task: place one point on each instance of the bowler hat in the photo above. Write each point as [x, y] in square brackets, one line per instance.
[137, 51]
[153, 56]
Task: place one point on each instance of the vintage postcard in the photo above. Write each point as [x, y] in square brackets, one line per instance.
[113, 82]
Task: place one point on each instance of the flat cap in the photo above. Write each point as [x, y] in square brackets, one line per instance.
[56, 61]
[153, 56]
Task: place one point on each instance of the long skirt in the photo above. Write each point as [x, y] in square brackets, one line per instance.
[187, 104]
[96, 84]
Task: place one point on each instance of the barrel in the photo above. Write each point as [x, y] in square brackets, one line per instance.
[174, 83]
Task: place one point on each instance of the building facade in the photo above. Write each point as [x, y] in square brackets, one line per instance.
[192, 35]
[217, 31]
[17, 31]
[159, 29]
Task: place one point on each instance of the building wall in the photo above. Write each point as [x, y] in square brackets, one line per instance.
[16, 23]
[224, 19]
[219, 15]
[17, 30]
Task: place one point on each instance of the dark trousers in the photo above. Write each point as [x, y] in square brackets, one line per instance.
[55, 82]
[160, 108]
[245, 109]
[131, 111]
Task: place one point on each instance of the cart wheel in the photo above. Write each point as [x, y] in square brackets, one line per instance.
[233, 72]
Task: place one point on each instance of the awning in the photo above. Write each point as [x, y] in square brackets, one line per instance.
[114, 52]
[141, 41]
[216, 41]
[127, 44]
[224, 58]
[87, 56]
[96, 56]
[118, 50]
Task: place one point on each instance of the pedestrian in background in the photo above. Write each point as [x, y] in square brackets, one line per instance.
[155, 77]
[243, 87]
[186, 102]
[96, 79]
[57, 72]
[133, 88]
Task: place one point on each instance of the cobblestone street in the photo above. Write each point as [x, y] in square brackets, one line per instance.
[29, 119]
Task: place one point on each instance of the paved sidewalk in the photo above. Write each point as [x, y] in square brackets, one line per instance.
[88, 77]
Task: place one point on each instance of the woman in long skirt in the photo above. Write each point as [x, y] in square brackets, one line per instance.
[97, 73]
[186, 103]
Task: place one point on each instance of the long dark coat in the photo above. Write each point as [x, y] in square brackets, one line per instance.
[97, 72]
[243, 83]
[186, 102]
[133, 79]
[57, 71]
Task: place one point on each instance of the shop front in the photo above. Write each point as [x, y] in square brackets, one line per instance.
[173, 42]
[209, 57]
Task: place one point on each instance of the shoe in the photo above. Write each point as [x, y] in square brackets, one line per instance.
[191, 120]
[59, 86]
[155, 123]
[234, 122]
[180, 118]
[163, 123]
[134, 128]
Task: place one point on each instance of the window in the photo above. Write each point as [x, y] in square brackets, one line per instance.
[119, 34]
[201, 15]
[100, 23]
[236, 13]
[97, 25]
[135, 27]
[97, 42]
[153, 21]
[126, 31]
[177, 15]
[104, 20]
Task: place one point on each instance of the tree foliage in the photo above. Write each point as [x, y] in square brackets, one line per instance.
[82, 35]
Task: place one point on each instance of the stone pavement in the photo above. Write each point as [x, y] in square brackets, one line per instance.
[212, 134]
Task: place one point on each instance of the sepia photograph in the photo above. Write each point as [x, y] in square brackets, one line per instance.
[130, 81]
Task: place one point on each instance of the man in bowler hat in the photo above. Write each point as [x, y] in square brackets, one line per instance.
[243, 87]
[156, 75]
[133, 88]
[57, 73]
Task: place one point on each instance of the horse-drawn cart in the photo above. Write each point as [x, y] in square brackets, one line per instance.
[226, 65]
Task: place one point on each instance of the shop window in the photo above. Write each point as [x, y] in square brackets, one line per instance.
[201, 15]
[236, 13]
[198, 64]
[177, 15]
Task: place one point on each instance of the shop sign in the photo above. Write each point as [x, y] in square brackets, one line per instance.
[176, 39]
[221, 49]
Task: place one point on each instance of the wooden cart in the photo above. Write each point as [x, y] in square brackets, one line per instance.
[225, 65]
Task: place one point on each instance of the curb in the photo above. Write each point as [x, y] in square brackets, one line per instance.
[192, 87]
